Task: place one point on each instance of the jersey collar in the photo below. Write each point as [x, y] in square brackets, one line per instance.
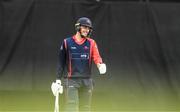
[79, 41]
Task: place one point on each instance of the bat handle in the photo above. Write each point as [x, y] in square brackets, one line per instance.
[57, 103]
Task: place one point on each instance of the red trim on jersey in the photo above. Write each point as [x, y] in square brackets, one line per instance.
[90, 57]
[94, 52]
[70, 68]
[65, 43]
[79, 41]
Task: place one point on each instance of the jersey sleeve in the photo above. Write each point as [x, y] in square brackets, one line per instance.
[61, 60]
[95, 53]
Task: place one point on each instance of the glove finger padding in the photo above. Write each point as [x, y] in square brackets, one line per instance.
[60, 87]
[56, 88]
[60, 90]
[102, 68]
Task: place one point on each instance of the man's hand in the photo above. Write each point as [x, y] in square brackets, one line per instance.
[102, 68]
[56, 87]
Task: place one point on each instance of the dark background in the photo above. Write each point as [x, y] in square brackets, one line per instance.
[138, 40]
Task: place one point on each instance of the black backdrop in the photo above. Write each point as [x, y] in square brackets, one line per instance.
[138, 41]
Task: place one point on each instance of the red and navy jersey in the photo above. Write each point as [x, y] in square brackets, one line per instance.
[75, 58]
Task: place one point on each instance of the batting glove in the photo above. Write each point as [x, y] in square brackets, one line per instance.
[56, 87]
[102, 68]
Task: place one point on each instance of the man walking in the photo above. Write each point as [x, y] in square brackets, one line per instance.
[75, 60]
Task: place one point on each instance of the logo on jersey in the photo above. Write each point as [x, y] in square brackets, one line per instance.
[84, 56]
[73, 48]
[86, 48]
[80, 56]
[61, 47]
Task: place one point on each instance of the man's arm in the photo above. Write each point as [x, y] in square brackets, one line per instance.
[56, 86]
[95, 54]
[97, 59]
[61, 60]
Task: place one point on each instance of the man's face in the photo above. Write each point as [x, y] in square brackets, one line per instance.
[84, 30]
